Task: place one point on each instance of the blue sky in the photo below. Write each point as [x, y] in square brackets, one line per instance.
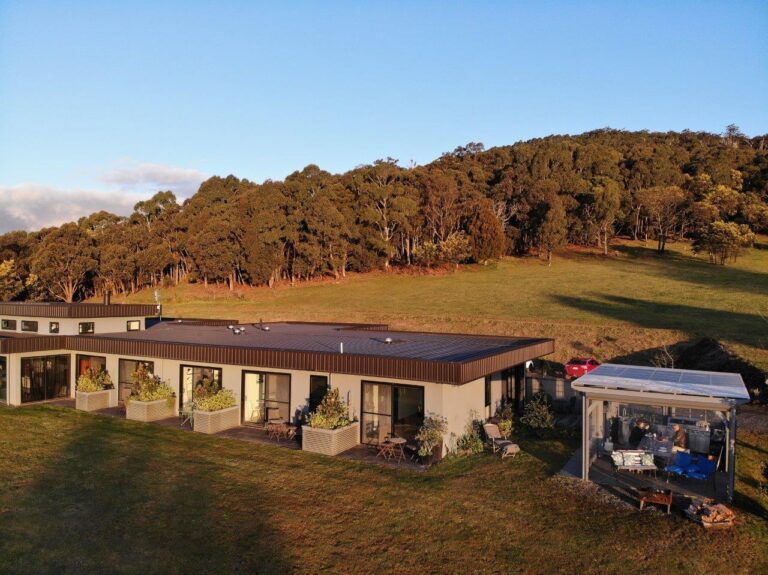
[102, 103]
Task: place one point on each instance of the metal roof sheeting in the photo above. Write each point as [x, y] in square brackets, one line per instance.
[665, 381]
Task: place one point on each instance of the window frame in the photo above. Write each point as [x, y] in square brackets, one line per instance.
[8, 324]
[51, 328]
[133, 321]
[82, 331]
[193, 366]
[29, 325]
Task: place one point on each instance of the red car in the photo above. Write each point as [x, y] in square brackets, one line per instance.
[580, 366]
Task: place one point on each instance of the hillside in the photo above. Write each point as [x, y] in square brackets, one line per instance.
[619, 307]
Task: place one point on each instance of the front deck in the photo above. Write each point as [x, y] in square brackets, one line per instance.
[625, 484]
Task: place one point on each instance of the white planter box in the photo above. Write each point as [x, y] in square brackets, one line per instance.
[330, 441]
[215, 421]
[149, 410]
[94, 400]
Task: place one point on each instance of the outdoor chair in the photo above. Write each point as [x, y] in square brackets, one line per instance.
[495, 441]
[702, 469]
[680, 466]
[188, 413]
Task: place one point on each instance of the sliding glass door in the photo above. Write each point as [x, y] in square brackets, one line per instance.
[44, 378]
[126, 369]
[195, 377]
[391, 409]
[3, 379]
[266, 396]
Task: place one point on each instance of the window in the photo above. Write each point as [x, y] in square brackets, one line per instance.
[318, 387]
[487, 391]
[85, 327]
[28, 325]
[53, 327]
[197, 377]
[126, 369]
[3, 380]
[266, 396]
[133, 325]
[44, 377]
[8, 324]
[92, 362]
[390, 409]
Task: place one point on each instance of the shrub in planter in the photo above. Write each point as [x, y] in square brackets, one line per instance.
[430, 435]
[330, 430]
[332, 413]
[94, 380]
[221, 399]
[93, 390]
[471, 441]
[151, 398]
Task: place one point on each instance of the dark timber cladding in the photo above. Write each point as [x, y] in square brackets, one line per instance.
[79, 310]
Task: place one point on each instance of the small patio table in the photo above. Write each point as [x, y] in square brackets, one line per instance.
[657, 496]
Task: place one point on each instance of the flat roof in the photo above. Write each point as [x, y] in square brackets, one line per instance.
[688, 382]
[59, 310]
[367, 349]
[328, 338]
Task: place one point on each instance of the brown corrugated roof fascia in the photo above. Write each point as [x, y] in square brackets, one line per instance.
[492, 363]
[354, 364]
[77, 311]
[26, 344]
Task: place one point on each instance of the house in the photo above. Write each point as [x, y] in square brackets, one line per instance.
[390, 379]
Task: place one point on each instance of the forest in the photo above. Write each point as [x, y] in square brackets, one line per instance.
[470, 205]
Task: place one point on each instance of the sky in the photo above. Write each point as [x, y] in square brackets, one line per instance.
[104, 103]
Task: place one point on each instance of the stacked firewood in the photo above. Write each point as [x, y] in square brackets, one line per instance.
[709, 513]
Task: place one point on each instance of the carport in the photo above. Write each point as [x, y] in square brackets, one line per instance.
[703, 403]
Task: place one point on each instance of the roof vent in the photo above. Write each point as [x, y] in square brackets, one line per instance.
[236, 331]
[388, 340]
[230, 327]
[266, 328]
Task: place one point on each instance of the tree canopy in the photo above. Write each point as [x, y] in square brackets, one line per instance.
[469, 205]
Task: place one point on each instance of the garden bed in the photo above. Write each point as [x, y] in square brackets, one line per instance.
[95, 400]
[330, 441]
[148, 410]
[215, 421]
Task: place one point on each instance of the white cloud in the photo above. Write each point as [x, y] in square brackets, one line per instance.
[33, 206]
[182, 181]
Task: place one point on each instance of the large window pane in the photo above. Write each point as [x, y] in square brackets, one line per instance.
[266, 396]
[391, 409]
[195, 378]
[409, 411]
[318, 387]
[44, 378]
[93, 362]
[126, 369]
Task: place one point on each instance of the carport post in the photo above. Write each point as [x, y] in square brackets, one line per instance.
[732, 454]
[584, 437]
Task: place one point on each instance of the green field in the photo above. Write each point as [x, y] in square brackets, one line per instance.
[609, 307]
[82, 493]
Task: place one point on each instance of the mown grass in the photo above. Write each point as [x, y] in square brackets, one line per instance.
[610, 307]
[80, 493]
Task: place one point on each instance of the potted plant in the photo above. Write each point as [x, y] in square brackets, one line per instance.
[330, 430]
[95, 391]
[430, 437]
[215, 411]
[151, 398]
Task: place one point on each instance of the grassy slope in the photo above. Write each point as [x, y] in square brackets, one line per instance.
[610, 307]
[81, 493]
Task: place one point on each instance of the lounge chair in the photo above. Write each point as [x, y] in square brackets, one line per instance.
[497, 443]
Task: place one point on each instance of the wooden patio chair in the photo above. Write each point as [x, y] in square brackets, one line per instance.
[494, 439]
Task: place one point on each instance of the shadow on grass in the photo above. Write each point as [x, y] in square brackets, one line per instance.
[680, 267]
[109, 499]
[746, 327]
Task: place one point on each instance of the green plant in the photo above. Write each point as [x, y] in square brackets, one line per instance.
[471, 441]
[431, 434]
[149, 387]
[332, 413]
[221, 399]
[537, 415]
[506, 427]
[94, 380]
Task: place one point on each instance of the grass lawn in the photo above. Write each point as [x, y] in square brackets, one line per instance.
[609, 307]
[80, 493]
